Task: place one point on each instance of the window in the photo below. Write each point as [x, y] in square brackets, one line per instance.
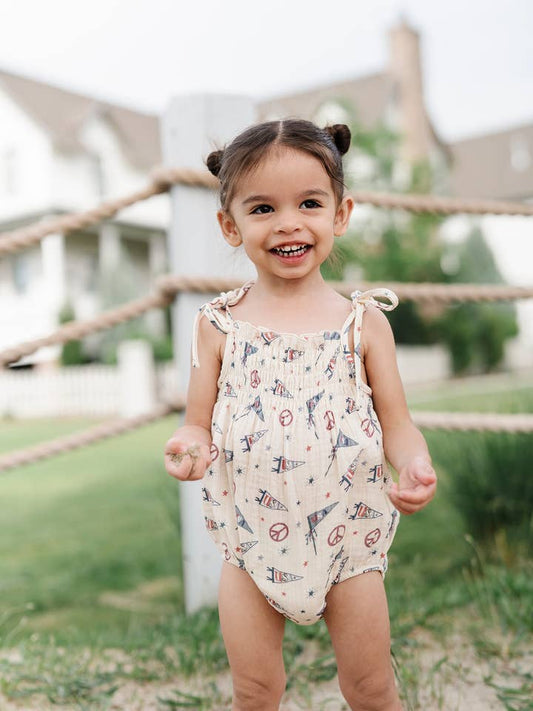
[20, 265]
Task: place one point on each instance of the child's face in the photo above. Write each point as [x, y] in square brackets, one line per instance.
[286, 203]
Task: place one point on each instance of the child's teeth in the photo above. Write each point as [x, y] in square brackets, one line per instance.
[291, 250]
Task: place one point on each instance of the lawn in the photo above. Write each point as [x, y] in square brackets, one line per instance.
[90, 562]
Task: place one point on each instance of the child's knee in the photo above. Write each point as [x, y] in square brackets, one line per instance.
[371, 692]
[258, 693]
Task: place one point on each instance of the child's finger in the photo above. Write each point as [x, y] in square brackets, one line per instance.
[200, 463]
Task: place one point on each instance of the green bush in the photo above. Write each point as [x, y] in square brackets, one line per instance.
[490, 484]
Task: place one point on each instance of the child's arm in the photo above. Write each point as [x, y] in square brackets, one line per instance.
[404, 444]
[187, 452]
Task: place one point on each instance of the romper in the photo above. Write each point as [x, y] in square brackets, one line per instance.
[296, 490]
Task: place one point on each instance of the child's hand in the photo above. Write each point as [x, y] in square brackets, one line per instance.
[186, 460]
[416, 486]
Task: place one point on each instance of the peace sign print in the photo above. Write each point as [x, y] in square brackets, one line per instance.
[372, 538]
[368, 427]
[278, 532]
[214, 451]
[285, 417]
[254, 379]
[336, 535]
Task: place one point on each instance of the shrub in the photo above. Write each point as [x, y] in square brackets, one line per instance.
[489, 481]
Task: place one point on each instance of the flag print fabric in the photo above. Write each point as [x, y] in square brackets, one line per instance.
[296, 491]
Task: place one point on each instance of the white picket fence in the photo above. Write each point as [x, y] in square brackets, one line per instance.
[86, 390]
[104, 391]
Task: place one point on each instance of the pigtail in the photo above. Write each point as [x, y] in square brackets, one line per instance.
[341, 135]
[214, 162]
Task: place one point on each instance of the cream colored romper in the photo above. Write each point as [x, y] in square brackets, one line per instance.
[295, 494]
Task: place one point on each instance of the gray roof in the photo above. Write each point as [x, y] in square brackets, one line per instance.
[368, 95]
[496, 165]
[62, 115]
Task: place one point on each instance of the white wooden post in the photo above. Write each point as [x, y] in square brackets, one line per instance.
[137, 378]
[191, 127]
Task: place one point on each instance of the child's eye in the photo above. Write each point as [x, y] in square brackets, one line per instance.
[310, 203]
[261, 210]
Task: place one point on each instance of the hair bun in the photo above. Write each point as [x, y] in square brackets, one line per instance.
[214, 162]
[341, 135]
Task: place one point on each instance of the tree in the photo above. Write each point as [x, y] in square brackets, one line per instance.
[391, 245]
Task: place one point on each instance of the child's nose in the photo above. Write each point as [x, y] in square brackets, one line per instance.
[288, 221]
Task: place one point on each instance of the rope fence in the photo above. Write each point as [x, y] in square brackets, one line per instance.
[450, 421]
[163, 179]
[166, 288]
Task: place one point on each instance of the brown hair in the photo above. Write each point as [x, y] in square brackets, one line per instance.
[245, 152]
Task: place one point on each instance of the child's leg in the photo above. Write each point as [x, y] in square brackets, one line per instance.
[253, 636]
[358, 622]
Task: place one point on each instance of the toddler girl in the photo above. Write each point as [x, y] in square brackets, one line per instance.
[294, 403]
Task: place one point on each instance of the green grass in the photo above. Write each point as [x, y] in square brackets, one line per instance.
[90, 560]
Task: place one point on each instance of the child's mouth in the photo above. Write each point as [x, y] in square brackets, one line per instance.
[291, 253]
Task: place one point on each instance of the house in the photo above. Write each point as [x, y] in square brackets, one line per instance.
[61, 151]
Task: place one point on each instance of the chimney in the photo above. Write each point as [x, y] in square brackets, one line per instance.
[405, 68]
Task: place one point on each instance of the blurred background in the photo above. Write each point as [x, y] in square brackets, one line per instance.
[439, 99]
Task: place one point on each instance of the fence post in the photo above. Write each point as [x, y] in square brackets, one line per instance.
[137, 378]
[191, 127]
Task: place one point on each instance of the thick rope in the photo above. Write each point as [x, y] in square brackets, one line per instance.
[457, 421]
[89, 436]
[168, 286]
[162, 179]
[478, 421]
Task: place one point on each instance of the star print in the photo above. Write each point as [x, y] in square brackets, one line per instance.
[260, 557]
[328, 495]
[307, 368]
[310, 593]
[284, 551]
[306, 563]
[298, 524]
[287, 437]
[298, 503]
[239, 471]
[222, 524]
[311, 480]
[224, 493]
[257, 466]
[308, 448]
[300, 409]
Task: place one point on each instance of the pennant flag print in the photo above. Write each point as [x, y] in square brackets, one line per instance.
[241, 521]
[210, 524]
[228, 455]
[229, 391]
[281, 464]
[280, 389]
[342, 441]
[348, 476]
[311, 407]
[291, 354]
[269, 336]
[278, 576]
[269, 502]
[208, 497]
[249, 350]
[314, 519]
[256, 407]
[245, 547]
[249, 440]
[361, 510]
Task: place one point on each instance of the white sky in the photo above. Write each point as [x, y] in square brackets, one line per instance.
[477, 54]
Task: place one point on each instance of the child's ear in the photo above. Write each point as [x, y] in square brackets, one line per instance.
[342, 217]
[229, 228]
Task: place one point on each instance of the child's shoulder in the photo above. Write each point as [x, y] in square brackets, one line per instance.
[376, 330]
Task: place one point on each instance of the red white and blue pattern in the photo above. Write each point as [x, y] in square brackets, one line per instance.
[298, 498]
